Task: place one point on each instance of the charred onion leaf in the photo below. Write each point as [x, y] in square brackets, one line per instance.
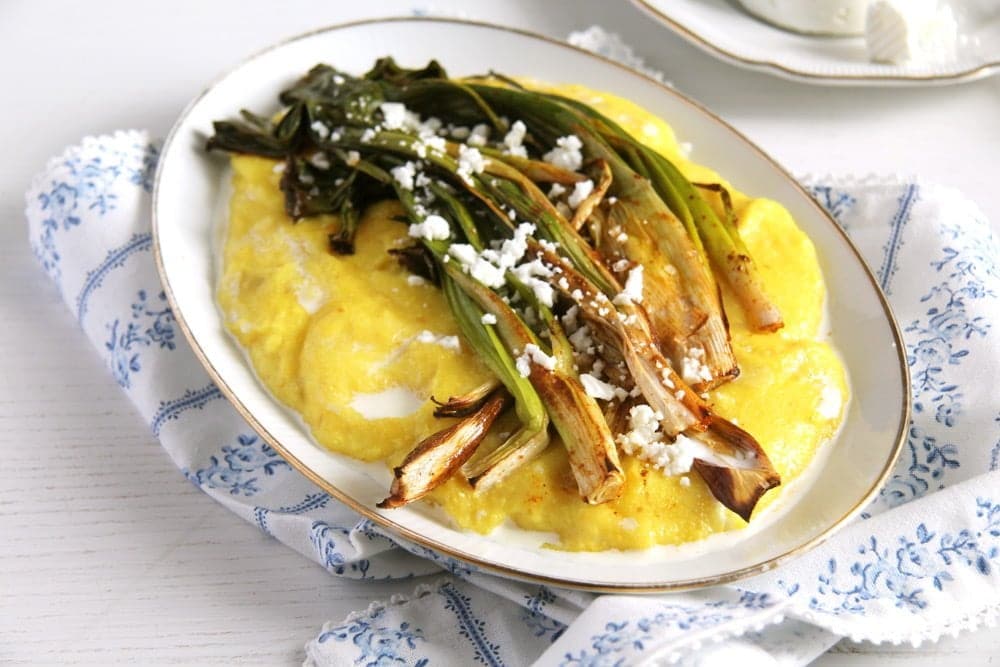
[237, 137]
[388, 71]
[466, 404]
[419, 261]
[433, 461]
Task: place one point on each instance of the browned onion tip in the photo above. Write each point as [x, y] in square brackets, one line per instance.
[467, 403]
[738, 488]
[439, 455]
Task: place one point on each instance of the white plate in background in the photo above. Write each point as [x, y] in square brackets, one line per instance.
[724, 29]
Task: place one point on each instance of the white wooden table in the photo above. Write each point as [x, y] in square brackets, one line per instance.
[106, 553]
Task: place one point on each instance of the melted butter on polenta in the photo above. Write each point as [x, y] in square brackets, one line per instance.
[333, 336]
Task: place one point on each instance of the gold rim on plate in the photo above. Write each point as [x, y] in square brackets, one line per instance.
[413, 536]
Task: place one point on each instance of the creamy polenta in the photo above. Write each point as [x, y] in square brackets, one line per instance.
[334, 337]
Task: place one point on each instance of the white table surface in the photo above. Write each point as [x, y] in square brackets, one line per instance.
[106, 553]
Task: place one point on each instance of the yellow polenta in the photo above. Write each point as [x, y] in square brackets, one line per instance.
[322, 330]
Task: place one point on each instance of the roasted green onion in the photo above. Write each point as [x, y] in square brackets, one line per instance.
[601, 290]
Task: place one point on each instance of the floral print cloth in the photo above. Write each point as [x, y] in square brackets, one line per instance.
[924, 559]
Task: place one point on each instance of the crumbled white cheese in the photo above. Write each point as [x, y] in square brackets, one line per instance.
[479, 135]
[597, 388]
[404, 175]
[581, 340]
[533, 354]
[644, 440]
[414, 280]
[569, 319]
[667, 380]
[436, 144]
[580, 192]
[463, 252]
[530, 273]
[319, 160]
[685, 481]
[433, 228]
[367, 135]
[353, 157]
[395, 116]
[556, 190]
[279, 168]
[513, 140]
[632, 291]
[693, 368]
[513, 249]
[489, 318]
[321, 130]
[476, 266]
[470, 161]
[566, 154]
[620, 265]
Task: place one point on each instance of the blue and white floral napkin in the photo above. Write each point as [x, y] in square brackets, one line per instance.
[925, 561]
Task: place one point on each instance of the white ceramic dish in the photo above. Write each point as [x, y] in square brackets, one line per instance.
[725, 30]
[190, 187]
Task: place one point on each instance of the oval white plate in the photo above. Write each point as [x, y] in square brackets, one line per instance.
[189, 191]
[725, 30]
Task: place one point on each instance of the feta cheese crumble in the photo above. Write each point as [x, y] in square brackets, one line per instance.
[479, 135]
[513, 139]
[566, 154]
[632, 291]
[529, 272]
[533, 354]
[693, 368]
[580, 192]
[433, 228]
[321, 130]
[644, 440]
[320, 161]
[395, 116]
[488, 318]
[597, 388]
[404, 175]
[470, 161]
